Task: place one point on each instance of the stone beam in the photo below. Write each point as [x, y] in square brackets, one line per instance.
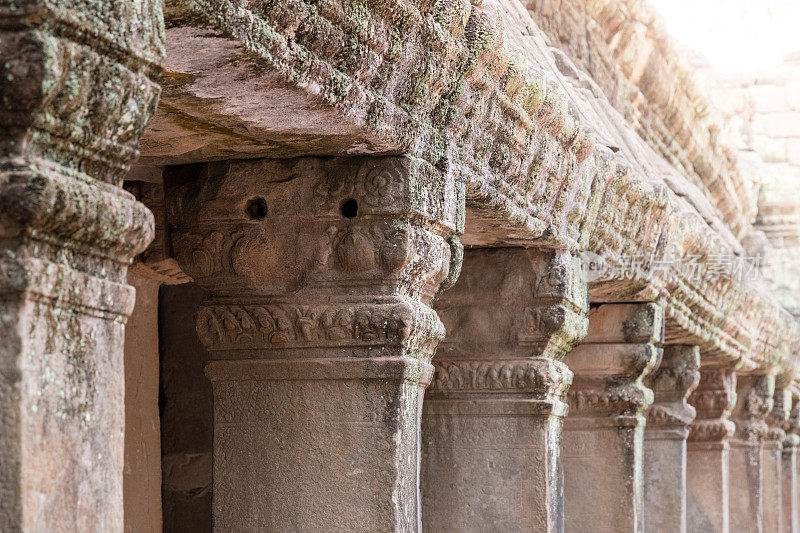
[77, 84]
[668, 420]
[320, 274]
[493, 414]
[426, 78]
[603, 444]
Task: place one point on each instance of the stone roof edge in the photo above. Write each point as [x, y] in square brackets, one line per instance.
[490, 144]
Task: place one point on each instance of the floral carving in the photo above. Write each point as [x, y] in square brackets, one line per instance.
[539, 375]
[241, 326]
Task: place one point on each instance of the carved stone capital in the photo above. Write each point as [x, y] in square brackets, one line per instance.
[510, 319]
[713, 400]
[755, 401]
[792, 426]
[778, 418]
[672, 383]
[620, 350]
[313, 253]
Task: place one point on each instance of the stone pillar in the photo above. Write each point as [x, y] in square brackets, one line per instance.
[789, 488]
[320, 273]
[77, 90]
[604, 433]
[141, 482]
[668, 420]
[746, 467]
[493, 415]
[777, 419]
[708, 450]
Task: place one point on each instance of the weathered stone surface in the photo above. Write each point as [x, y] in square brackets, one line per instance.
[77, 89]
[320, 273]
[491, 425]
[624, 46]
[603, 442]
[533, 173]
[668, 418]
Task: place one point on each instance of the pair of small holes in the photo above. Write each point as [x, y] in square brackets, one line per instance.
[257, 208]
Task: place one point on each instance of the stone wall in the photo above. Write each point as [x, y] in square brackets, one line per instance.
[761, 113]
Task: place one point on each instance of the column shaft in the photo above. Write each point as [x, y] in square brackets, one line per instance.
[493, 416]
[708, 451]
[604, 433]
[320, 274]
[665, 438]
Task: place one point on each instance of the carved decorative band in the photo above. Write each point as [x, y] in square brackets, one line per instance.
[540, 376]
[667, 415]
[621, 400]
[710, 430]
[62, 203]
[230, 327]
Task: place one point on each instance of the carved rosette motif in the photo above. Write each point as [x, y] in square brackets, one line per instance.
[227, 327]
[713, 400]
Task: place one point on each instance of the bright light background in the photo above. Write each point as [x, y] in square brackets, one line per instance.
[735, 35]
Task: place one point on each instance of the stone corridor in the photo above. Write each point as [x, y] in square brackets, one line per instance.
[383, 265]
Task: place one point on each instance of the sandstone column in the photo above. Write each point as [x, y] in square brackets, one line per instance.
[493, 415]
[665, 436]
[708, 450]
[789, 489]
[771, 455]
[77, 90]
[746, 465]
[320, 274]
[604, 432]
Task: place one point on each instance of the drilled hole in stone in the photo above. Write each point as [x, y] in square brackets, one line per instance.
[349, 208]
[257, 208]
